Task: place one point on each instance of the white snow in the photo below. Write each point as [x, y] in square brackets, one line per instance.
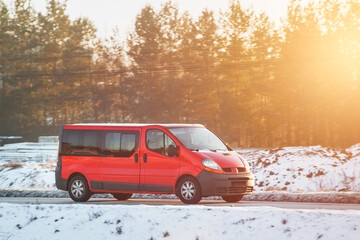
[28, 165]
[80, 221]
[307, 169]
[310, 169]
[294, 170]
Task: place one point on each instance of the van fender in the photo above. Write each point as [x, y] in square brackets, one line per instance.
[185, 172]
[190, 170]
[74, 168]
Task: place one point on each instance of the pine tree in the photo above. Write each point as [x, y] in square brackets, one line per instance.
[265, 45]
[76, 83]
[6, 40]
[188, 57]
[144, 52]
[113, 80]
[55, 28]
[205, 93]
[21, 66]
[236, 94]
[172, 84]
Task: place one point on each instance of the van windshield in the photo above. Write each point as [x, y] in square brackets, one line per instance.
[198, 138]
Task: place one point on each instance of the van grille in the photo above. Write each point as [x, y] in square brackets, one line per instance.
[234, 190]
[238, 178]
[229, 170]
[240, 189]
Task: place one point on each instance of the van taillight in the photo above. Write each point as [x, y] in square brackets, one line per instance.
[58, 162]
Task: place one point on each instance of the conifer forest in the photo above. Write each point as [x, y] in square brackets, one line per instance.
[253, 82]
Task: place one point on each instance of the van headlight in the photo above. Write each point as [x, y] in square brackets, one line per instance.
[209, 163]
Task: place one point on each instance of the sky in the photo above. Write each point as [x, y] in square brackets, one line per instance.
[108, 14]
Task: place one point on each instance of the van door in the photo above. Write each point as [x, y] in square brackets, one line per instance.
[158, 171]
[120, 166]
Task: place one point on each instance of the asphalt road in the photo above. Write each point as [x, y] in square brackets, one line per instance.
[215, 203]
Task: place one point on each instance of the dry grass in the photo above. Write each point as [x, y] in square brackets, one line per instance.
[50, 164]
[12, 165]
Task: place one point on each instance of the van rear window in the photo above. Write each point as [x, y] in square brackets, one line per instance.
[99, 143]
[81, 142]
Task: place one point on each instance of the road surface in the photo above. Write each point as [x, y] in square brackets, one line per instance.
[215, 203]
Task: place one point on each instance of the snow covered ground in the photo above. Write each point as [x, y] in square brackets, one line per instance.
[310, 169]
[30, 166]
[78, 221]
[286, 174]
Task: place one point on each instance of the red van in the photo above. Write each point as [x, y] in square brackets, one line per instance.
[186, 159]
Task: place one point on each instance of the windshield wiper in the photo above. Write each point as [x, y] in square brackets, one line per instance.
[215, 150]
[207, 149]
[195, 150]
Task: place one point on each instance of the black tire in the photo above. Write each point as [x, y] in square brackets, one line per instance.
[122, 196]
[78, 189]
[232, 199]
[189, 190]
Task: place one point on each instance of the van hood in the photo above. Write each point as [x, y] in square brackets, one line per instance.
[225, 159]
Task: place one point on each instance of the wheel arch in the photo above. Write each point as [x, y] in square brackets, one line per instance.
[74, 175]
[183, 176]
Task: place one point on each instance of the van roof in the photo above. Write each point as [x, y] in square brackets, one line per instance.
[173, 125]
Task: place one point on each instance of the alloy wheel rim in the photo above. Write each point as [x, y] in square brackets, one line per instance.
[77, 188]
[188, 190]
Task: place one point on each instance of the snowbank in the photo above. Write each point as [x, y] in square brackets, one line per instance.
[174, 222]
[28, 165]
[306, 169]
[310, 169]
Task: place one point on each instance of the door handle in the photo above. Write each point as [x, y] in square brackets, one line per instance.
[145, 157]
[136, 158]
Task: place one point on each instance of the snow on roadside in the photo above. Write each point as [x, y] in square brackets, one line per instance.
[173, 222]
[308, 169]
[284, 196]
[28, 165]
[351, 168]
[28, 177]
[28, 151]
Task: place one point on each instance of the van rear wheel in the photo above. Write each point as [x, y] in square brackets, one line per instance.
[78, 189]
[232, 199]
[122, 196]
[189, 190]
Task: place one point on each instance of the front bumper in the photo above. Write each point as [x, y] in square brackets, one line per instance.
[217, 184]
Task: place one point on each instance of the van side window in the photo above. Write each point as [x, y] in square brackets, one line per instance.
[120, 144]
[168, 142]
[158, 141]
[81, 142]
[112, 143]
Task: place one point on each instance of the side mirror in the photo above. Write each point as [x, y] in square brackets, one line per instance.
[172, 151]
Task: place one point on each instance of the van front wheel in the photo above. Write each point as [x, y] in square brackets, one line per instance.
[79, 189]
[189, 190]
[122, 196]
[232, 199]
